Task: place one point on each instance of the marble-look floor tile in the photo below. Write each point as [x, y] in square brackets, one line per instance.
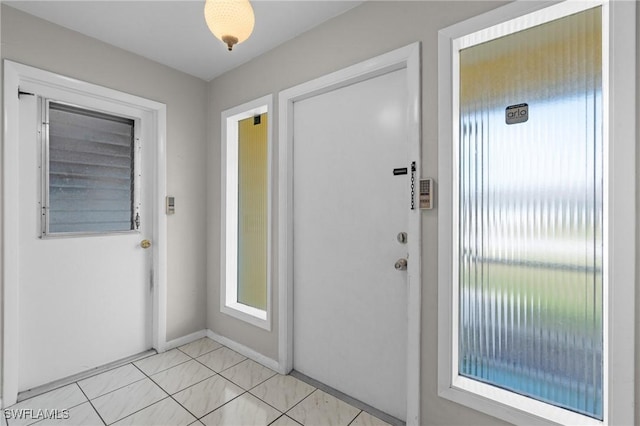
[248, 374]
[164, 413]
[244, 410]
[320, 408]
[80, 415]
[285, 421]
[206, 396]
[221, 359]
[282, 392]
[156, 363]
[111, 380]
[62, 398]
[200, 347]
[366, 419]
[182, 376]
[125, 401]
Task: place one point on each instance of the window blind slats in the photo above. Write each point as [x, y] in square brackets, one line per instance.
[90, 171]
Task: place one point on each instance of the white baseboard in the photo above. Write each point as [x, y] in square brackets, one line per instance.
[185, 339]
[231, 344]
[243, 350]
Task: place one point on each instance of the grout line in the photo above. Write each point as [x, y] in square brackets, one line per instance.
[284, 415]
[349, 400]
[203, 353]
[217, 408]
[215, 373]
[171, 396]
[65, 381]
[254, 386]
[141, 409]
[182, 390]
[146, 376]
[160, 371]
[260, 399]
[300, 402]
[354, 419]
[92, 406]
[147, 406]
[185, 409]
[138, 368]
[114, 390]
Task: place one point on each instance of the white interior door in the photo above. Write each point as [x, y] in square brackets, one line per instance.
[84, 300]
[349, 301]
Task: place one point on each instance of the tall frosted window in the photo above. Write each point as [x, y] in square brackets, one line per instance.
[252, 211]
[90, 177]
[530, 171]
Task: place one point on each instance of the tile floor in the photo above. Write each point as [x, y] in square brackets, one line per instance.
[201, 383]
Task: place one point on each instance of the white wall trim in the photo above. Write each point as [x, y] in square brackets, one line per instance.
[14, 75]
[407, 57]
[180, 341]
[244, 350]
[620, 198]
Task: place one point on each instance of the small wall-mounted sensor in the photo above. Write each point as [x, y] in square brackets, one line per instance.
[171, 205]
[426, 194]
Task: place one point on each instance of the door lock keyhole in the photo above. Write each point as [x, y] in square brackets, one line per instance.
[402, 238]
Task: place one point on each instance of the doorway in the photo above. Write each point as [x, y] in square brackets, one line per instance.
[83, 278]
[352, 139]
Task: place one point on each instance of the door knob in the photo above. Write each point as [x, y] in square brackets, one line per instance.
[401, 265]
[145, 244]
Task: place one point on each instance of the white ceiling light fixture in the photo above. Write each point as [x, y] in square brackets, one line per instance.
[229, 20]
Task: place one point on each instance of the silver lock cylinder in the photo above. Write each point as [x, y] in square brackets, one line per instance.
[401, 265]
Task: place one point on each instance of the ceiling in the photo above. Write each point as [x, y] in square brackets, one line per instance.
[173, 32]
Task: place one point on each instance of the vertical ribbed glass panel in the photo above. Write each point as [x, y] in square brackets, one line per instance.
[90, 171]
[530, 213]
[252, 212]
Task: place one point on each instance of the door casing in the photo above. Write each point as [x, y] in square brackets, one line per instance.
[406, 57]
[16, 74]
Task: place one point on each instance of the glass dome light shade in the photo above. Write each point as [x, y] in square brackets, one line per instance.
[231, 21]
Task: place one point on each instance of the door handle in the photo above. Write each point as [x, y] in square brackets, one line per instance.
[401, 265]
[145, 244]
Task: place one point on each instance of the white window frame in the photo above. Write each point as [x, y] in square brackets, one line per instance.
[619, 139]
[229, 225]
[46, 175]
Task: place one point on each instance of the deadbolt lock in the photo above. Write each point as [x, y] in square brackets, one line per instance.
[145, 244]
[402, 237]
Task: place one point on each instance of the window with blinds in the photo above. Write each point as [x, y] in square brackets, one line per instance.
[89, 173]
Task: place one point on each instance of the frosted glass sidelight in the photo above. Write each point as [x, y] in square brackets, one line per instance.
[530, 213]
[90, 179]
[252, 212]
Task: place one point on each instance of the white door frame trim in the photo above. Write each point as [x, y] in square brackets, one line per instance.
[14, 74]
[406, 57]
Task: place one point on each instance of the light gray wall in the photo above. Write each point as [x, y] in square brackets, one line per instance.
[366, 31]
[32, 41]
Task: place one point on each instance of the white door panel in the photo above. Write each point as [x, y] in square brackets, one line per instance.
[350, 303]
[84, 301]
